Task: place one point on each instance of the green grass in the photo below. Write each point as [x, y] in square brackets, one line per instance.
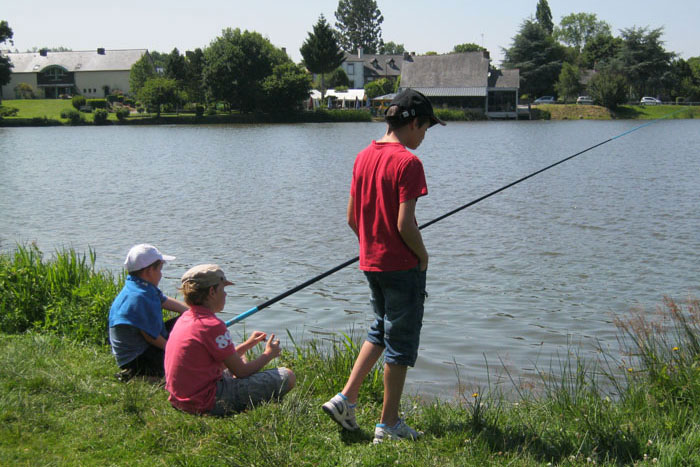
[653, 112]
[60, 403]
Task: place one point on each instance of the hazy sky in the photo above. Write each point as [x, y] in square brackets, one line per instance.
[422, 26]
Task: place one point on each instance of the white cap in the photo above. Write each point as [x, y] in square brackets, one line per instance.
[143, 255]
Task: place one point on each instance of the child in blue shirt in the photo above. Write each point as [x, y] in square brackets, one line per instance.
[137, 332]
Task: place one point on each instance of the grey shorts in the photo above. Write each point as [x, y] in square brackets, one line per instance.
[397, 299]
[237, 394]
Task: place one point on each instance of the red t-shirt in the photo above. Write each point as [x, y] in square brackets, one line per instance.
[384, 176]
[194, 355]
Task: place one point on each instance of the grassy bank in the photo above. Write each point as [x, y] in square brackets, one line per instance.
[596, 112]
[61, 404]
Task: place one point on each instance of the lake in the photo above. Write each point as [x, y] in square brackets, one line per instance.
[515, 282]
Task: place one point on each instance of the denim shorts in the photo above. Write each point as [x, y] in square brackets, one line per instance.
[397, 298]
[237, 394]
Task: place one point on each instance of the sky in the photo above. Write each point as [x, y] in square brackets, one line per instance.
[421, 26]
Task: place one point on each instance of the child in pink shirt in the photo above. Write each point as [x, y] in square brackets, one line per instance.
[205, 372]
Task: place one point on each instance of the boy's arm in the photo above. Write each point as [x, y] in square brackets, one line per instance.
[174, 305]
[352, 222]
[242, 369]
[158, 342]
[410, 233]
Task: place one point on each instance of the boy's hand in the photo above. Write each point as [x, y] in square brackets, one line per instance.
[273, 347]
[256, 337]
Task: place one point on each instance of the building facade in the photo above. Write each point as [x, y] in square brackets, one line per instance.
[52, 75]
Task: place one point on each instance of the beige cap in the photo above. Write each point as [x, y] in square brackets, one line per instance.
[206, 275]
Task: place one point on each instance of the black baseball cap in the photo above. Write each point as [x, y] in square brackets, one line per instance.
[411, 104]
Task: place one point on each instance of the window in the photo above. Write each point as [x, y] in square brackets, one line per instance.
[54, 73]
[351, 68]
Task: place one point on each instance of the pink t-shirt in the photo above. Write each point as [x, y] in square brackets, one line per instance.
[384, 176]
[194, 355]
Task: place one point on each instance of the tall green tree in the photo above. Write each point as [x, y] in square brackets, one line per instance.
[543, 15]
[468, 47]
[141, 71]
[321, 51]
[538, 56]
[236, 63]
[360, 25]
[599, 49]
[576, 29]
[646, 62]
[175, 67]
[569, 84]
[379, 87]
[392, 48]
[5, 64]
[194, 66]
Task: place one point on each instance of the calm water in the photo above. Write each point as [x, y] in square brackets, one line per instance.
[515, 280]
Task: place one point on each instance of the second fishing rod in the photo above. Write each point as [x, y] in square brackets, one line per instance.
[347, 263]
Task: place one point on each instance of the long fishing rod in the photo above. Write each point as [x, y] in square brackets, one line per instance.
[299, 287]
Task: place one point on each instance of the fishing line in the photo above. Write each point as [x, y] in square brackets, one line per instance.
[347, 263]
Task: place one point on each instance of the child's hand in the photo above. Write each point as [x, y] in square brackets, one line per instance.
[256, 337]
[273, 347]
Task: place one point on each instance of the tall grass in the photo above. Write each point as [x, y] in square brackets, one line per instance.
[63, 294]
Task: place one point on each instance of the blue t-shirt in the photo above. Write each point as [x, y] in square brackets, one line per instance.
[138, 307]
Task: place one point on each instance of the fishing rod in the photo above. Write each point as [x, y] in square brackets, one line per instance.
[347, 263]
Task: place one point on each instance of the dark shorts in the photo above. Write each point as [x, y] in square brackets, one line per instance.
[397, 298]
[237, 394]
[149, 363]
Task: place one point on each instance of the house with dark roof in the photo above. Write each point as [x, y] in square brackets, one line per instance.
[363, 68]
[464, 81]
[93, 73]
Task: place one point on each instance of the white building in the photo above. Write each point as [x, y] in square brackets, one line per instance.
[90, 73]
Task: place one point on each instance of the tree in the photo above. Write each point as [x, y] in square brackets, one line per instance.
[159, 91]
[175, 67]
[392, 48]
[5, 64]
[646, 62]
[359, 23]
[287, 87]
[141, 71]
[468, 47]
[682, 81]
[321, 51]
[236, 63]
[338, 78]
[544, 16]
[599, 49]
[194, 66]
[379, 87]
[569, 84]
[538, 56]
[609, 87]
[577, 29]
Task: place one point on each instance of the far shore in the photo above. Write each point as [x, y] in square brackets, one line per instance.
[48, 112]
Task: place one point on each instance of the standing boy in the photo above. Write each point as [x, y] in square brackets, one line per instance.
[137, 332]
[387, 180]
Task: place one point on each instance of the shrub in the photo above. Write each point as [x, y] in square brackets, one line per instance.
[101, 116]
[64, 295]
[129, 101]
[97, 103]
[24, 91]
[609, 89]
[8, 111]
[123, 114]
[74, 117]
[78, 102]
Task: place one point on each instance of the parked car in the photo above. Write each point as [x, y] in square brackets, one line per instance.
[587, 100]
[545, 100]
[649, 101]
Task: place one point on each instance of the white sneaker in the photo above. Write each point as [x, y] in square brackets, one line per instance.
[341, 412]
[398, 431]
